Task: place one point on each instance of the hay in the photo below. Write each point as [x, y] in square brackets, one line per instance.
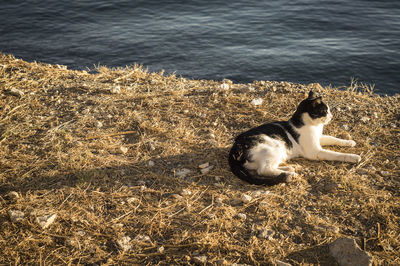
[104, 150]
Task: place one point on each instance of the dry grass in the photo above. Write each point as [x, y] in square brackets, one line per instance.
[82, 145]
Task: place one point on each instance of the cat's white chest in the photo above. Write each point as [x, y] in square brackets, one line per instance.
[309, 140]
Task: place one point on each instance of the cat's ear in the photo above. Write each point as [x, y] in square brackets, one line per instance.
[316, 101]
[311, 95]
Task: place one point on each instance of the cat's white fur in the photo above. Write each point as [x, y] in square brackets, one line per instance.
[270, 153]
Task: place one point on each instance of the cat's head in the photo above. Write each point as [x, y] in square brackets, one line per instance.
[312, 111]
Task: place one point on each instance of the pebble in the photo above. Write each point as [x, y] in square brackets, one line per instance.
[384, 173]
[242, 216]
[123, 149]
[13, 195]
[204, 165]
[246, 198]
[182, 173]
[124, 243]
[260, 193]
[116, 90]
[186, 192]
[46, 220]
[16, 216]
[281, 263]
[257, 101]
[150, 163]
[345, 127]
[224, 86]
[200, 259]
[206, 170]
[347, 253]
[131, 200]
[99, 124]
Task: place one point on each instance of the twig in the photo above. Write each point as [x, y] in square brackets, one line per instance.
[111, 135]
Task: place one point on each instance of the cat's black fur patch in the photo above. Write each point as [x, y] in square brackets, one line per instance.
[239, 153]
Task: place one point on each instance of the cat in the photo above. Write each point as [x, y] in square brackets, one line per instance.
[265, 147]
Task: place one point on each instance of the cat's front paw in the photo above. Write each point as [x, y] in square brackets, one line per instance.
[349, 143]
[353, 158]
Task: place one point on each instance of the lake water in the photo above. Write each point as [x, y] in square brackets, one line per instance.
[304, 41]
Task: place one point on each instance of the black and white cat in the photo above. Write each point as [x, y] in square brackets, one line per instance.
[265, 147]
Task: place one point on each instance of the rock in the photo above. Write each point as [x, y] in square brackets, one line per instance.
[131, 200]
[124, 243]
[186, 192]
[99, 124]
[200, 259]
[123, 149]
[116, 90]
[266, 233]
[204, 165]
[347, 253]
[242, 216]
[150, 163]
[206, 170]
[12, 195]
[260, 193]
[246, 198]
[345, 127]
[46, 220]
[182, 173]
[16, 216]
[384, 173]
[224, 86]
[257, 101]
[281, 263]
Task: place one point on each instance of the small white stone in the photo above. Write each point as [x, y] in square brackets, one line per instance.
[204, 165]
[206, 170]
[384, 173]
[224, 86]
[99, 124]
[131, 200]
[281, 263]
[246, 198]
[13, 195]
[186, 192]
[116, 89]
[143, 238]
[124, 243]
[200, 259]
[150, 163]
[46, 221]
[242, 216]
[182, 173]
[345, 127]
[123, 149]
[257, 101]
[16, 216]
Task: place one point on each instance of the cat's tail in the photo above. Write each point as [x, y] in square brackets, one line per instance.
[236, 162]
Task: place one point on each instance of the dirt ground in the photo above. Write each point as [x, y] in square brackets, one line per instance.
[131, 166]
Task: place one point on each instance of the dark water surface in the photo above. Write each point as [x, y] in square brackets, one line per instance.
[299, 41]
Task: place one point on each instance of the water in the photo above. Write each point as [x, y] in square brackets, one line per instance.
[304, 41]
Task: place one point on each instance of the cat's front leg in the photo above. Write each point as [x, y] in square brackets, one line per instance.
[338, 156]
[326, 140]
